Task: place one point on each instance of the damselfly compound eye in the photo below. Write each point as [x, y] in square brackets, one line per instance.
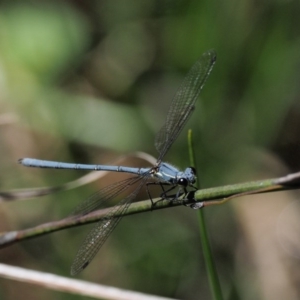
[183, 181]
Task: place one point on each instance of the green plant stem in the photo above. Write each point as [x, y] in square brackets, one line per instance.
[210, 196]
[213, 278]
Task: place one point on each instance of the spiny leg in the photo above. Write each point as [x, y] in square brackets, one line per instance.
[163, 195]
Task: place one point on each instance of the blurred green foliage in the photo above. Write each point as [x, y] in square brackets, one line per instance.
[86, 81]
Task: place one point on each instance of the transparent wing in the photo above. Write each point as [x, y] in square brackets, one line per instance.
[100, 199]
[98, 235]
[183, 103]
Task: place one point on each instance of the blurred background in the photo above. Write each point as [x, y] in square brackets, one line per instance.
[88, 81]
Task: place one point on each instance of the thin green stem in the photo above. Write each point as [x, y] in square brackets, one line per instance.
[210, 196]
[208, 257]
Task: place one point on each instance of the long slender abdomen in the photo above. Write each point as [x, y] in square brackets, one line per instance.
[37, 163]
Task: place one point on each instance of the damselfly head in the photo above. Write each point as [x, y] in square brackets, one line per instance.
[188, 177]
